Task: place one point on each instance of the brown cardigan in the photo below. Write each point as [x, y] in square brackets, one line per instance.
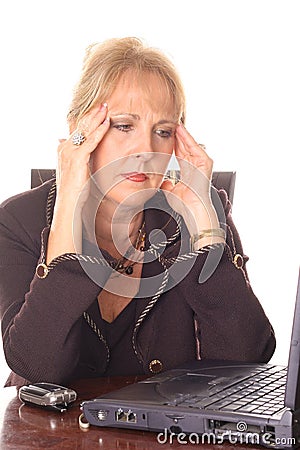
[47, 338]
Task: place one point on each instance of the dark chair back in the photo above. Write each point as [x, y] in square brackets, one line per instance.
[40, 176]
[220, 180]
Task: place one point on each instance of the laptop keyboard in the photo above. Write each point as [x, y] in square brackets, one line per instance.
[261, 393]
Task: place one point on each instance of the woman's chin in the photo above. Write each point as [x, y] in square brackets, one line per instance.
[131, 199]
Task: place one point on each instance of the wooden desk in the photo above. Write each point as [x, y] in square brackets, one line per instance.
[25, 427]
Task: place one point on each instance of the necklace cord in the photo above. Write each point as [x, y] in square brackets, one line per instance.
[120, 264]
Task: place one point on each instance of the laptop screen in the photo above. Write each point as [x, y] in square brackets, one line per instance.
[292, 393]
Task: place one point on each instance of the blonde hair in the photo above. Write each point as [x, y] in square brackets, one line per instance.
[105, 63]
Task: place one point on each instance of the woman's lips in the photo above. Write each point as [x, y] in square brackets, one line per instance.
[135, 176]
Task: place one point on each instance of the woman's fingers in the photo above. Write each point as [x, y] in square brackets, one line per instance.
[191, 156]
[188, 148]
[167, 186]
[89, 122]
[190, 145]
[92, 127]
[74, 157]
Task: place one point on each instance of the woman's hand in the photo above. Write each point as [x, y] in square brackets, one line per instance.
[73, 170]
[73, 174]
[195, 170]
[190, 197]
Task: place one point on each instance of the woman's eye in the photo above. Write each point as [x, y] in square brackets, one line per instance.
[164, 133]
[123, 127]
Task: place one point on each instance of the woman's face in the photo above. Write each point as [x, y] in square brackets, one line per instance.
[130, 161]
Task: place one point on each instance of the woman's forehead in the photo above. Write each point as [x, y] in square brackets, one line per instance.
[142, 91]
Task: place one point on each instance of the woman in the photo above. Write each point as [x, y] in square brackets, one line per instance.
[113, 269]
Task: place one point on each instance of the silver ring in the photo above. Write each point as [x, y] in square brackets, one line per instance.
[202, 146]
[78, 138]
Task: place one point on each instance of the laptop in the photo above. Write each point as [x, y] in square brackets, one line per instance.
[212, 402]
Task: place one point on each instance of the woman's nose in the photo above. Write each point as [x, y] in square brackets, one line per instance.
[145, 156]
[145, 148]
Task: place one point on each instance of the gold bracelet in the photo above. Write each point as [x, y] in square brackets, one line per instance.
[212, 232]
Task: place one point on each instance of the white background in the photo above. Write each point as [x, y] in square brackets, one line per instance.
[239, 61]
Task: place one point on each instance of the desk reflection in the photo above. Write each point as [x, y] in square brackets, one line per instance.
[29, 427]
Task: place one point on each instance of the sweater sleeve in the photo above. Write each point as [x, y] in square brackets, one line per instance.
[41, 318]
[231, 323]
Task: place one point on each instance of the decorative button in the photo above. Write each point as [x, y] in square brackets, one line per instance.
[155, 366]
[238, 261]
[41, 270]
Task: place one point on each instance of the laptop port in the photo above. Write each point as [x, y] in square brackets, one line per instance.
[238, 428]
[125, 416]
[131, 417]
[121, 416]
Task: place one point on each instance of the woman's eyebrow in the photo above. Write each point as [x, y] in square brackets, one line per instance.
[134, 116]
[137, 117]
[163, 121]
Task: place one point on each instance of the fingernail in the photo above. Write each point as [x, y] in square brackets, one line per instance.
[103, 107]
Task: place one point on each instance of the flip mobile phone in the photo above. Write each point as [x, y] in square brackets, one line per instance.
[47, 395]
